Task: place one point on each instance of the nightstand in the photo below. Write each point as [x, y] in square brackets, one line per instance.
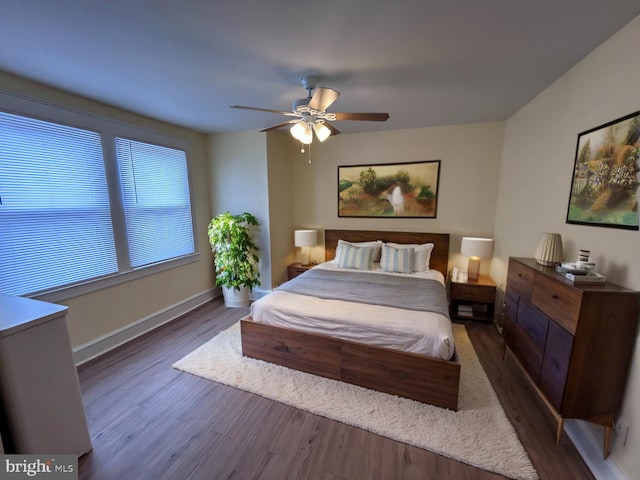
[296, 269]
[473, 300]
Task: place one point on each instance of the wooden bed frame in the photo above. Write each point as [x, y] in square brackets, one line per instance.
[418, 377]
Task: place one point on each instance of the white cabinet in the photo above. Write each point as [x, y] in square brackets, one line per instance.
[39, 387]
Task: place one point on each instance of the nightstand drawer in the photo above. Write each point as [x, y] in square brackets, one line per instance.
[473, 292]
[296, 269]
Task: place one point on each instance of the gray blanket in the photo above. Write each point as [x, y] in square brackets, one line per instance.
[421, 294]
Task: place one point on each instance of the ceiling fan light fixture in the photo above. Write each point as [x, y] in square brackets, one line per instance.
[321, 131]
[298, 130]
[307, 136]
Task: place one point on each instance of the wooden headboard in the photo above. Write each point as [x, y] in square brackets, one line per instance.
[439, 257]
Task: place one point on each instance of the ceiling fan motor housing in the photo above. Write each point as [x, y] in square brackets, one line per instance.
[300, 105]
[309, 83]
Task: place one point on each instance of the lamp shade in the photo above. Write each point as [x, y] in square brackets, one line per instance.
[305, 238]
[549, 251]
[298, 129]
[476, 247]
[321, 131]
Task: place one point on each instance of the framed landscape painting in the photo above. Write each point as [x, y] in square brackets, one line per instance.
[604, 188]
[389, 190]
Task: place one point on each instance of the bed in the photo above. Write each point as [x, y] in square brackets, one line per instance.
[412, 374]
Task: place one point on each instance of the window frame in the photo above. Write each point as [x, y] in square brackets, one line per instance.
[109, 129]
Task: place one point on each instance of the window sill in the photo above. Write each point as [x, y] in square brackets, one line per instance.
[112, 280]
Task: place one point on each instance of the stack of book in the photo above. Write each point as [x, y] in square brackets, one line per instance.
[577, 274]
[465, 311]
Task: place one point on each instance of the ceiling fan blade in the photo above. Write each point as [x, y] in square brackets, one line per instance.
[279, 125]
[323, 98]
[370, 117]
[242, 107]
[334, 130]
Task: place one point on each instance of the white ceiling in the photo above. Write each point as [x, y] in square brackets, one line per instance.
[426, 62]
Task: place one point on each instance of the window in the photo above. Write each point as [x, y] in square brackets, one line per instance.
[77, 206]
[55, 221]
[155, 189]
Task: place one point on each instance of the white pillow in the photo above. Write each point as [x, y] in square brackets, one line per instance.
[377, 244]
[360, 258]
[421, 256]
[398, 260]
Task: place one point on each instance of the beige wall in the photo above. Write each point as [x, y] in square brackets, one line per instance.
[535, 180]
[281, 228]
[239, 183]
[99, 313]
[470, 162]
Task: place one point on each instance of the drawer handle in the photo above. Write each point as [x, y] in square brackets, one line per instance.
[554, 296]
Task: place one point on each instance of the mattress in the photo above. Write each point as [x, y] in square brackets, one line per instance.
[425, 333]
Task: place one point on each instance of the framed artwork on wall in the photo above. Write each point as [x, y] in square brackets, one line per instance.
[604, 188]
[389, 190]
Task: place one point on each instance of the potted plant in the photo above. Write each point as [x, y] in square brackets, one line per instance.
[235, 256]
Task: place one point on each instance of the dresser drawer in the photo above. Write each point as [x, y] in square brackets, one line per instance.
[558, 301]
[530, 337]
[528, 353]
[555, 364]
[533, 322]
[509, 331]
[520, 278]
[511, 303]
[510, 316]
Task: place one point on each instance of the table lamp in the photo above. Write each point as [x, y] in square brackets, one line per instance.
[475, 248]
[305, 239]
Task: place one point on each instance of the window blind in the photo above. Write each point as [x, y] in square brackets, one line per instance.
[55, 219]
[155, 189]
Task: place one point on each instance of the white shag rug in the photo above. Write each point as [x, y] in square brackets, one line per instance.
[478, 434]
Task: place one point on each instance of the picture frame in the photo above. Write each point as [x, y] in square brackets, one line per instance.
[396, 190]
[604, 186]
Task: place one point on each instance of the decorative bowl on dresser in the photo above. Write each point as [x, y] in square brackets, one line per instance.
[574, 341]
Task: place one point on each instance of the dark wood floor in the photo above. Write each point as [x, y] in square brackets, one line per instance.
[150, 421]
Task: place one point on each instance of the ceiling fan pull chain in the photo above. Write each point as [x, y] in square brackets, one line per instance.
[309, 154]
[301, 147]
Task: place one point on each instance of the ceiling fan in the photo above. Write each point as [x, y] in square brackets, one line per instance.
[311, 114]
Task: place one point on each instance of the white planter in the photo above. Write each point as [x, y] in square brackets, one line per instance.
[236, 298]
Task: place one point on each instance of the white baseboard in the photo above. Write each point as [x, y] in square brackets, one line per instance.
[590, 446]
[95, 348]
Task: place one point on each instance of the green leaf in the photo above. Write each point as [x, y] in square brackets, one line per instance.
[235, 252]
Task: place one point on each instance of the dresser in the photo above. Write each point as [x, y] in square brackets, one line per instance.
[574, 341]
[39, 390]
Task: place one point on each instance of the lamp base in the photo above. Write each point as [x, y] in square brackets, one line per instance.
[306, 256]
[474, 268]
